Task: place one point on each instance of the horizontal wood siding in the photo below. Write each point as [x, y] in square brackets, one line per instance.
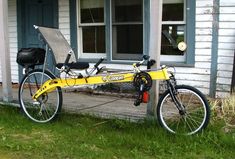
[12, 31]
[199, 75]
[64, 23]
[226, 47]
[13, 38]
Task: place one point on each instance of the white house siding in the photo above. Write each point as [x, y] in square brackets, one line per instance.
[12, 29]
[226, 46]
[13, 44]
[64, 25]
[64, 22]
[199, 76]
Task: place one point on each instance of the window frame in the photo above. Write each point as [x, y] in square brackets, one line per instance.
[176, 58]
[190, 20]
[80, 25]
[190, 32]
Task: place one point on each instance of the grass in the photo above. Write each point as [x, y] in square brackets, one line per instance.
[79, 136]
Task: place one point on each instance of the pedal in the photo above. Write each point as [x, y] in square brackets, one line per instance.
[137, 102]
[143, 97]
[139, 99]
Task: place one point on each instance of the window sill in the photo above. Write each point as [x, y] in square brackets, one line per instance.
[173, 64]
[177, 64]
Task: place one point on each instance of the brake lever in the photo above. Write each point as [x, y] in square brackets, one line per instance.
[150, 63]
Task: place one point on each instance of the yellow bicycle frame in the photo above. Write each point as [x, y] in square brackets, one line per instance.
[52, 84]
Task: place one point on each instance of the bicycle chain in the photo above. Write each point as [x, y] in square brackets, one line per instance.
[142, 78]
[142, 82]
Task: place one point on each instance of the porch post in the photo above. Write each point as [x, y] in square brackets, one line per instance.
[155, 49]
[4, 52]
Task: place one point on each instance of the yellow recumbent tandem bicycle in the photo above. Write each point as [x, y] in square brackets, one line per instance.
[180, 109]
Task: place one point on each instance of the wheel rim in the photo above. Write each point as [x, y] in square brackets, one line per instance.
[195, 113]
[47, 105]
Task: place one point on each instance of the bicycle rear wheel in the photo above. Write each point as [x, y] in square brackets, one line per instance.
[196, 111]
[48, 105]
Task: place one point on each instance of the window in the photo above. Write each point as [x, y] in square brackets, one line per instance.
[173, 30]
[127, 29]
[91, 28]
[119, 29]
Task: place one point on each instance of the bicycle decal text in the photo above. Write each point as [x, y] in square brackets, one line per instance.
[113, 78]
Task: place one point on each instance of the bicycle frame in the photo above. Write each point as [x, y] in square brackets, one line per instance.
[120, 77]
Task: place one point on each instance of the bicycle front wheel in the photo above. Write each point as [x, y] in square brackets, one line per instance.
[195, 116]
[47, 106]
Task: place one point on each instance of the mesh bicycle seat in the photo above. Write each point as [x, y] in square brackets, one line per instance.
[75, 65]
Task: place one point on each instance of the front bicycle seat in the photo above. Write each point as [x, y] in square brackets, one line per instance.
[74, 65]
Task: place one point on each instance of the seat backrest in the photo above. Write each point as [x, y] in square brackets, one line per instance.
[57, 43]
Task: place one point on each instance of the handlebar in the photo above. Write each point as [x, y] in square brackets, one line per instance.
[149, 62]
[146, 57]
[99, 62]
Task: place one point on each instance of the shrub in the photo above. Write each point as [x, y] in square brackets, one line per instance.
[225, 109]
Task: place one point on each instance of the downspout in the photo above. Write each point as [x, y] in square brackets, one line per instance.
[214, 50]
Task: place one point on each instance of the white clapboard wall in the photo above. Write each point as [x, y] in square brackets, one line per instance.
[226, 46]
[12, 29]
[199, 76]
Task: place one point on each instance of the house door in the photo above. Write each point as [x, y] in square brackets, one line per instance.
[35, 12]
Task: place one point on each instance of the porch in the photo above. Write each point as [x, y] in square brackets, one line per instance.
[106, 106]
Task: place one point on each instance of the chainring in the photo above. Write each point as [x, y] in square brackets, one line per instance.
[142, 78]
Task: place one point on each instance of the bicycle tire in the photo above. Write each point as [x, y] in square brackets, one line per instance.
[48, 105]
[197, 111]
